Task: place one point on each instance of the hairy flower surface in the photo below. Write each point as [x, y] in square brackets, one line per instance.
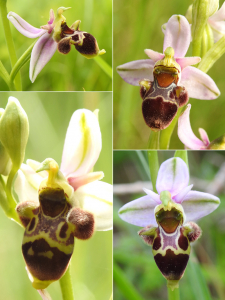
[55, 34]
[178, 36]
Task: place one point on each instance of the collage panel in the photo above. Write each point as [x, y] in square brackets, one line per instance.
[73, 132]
[168, 225]
[56, 45]
[146, 104]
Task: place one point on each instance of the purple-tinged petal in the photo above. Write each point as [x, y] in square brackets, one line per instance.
[177, 35]
[219, 15]
[197, 205]
[173, 176]
[83, 144]
[137, 70]
[23, 27]
[139, 212]
[153, 195]
[204, 136]
[155, 56]
[187, 61]
[198, 84]
[185, 132]
[51, 16]
[218, 29]
[41, 54]
[180, 196]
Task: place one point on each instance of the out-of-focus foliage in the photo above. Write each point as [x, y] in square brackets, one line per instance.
[137, 26]
[204, 277]
[71, 72]
[49, 115]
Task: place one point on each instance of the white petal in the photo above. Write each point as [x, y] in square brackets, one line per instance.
[23, 27]
[96, 197]
[23, 189]
[139, 212]
[134, 71]
[219, 15]
[173, 176]
[82, 145]
[198, 84]
[197, 205]
[185, 132]
[32, 177]
[177, 35]
[41, 54]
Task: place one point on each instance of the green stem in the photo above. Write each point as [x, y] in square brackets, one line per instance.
[183, 155]
[104, 66]
[153, 167]
[5, 76]
[153, 142]
[166, 134]
[21, 61]
[173, 295]
[9, 41]
[204, 43]
[212, 55]
[124, 284]
[66, 286]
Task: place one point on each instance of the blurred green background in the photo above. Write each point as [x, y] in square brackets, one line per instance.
[137, 26]
[49, 115]
[204, 278]
[71, 72]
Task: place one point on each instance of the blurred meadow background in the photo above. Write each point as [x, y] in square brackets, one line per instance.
[137, 26]
[91, 266]
[71, 72]
[134, 265]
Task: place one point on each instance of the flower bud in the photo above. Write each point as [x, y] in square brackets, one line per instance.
[217, 144]
[5, 161]
[14, 131]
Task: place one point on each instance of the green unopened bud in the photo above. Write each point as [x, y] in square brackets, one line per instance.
[213, 7]
[5, 161]
[188, 14]
[14, 131]
[217, 144]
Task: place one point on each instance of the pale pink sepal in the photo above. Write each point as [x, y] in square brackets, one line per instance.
[180, 196]
[82, 145]
[77, 182]
[185, 132]
[23, 27]
[187, 61]
[204, 136]
[173, 176]
[198, 84]
[219, 15]
[177, 35]
[152, 195]
[134, 71]
[139, 212]
[97, 198]
[155, 56]
[197, 205]
[41, 54]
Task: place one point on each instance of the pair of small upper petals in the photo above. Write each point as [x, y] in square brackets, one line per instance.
[178, 36]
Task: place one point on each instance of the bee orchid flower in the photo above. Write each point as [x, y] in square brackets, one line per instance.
[55, 34]
[167, 218]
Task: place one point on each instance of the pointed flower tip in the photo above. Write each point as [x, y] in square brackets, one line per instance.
[61, 9]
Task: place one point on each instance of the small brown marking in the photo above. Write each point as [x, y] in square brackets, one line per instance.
[183, 241]
[31, 226]
[63, 231]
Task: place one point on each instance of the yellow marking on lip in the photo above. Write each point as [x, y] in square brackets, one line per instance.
[48, 254]
[30, 251]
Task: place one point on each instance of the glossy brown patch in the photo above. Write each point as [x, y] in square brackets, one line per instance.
[83, 222]
[157, 113]
[41, 266]
[157, 243]
[172, 266]
[63, 231]
[164, 79]
[89, 46]
[66, 30]
[52, 201]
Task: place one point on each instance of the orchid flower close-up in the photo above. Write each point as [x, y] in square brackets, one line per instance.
[178, 36]
[167, 218]
[189, 139]
[55, 34]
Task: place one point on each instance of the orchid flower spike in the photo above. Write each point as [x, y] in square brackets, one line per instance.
[55, 34]
[167, 218]
[189, 139]
[69, 202]
[177, 36]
